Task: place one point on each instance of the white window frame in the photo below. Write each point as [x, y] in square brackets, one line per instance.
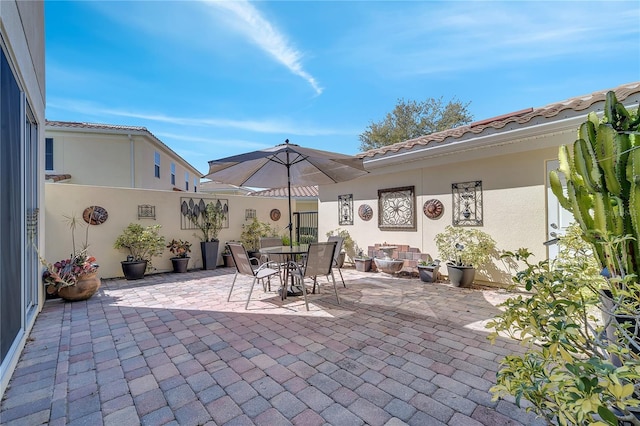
[156, 167]
[173, 173]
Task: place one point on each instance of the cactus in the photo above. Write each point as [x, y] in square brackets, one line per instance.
[602, 171]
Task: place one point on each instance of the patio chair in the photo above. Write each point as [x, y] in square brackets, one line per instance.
[319, 261]
[275, 261]
[339, 241]
[245, 267]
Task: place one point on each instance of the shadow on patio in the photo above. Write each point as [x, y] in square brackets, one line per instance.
[169, 348]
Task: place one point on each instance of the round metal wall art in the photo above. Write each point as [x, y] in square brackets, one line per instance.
[433, 208]
[95, 215]
[275, 215]
[365, 212]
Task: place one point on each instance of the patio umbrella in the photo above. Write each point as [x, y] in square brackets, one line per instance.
[304, 166]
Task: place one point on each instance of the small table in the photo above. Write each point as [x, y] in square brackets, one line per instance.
[289, 254]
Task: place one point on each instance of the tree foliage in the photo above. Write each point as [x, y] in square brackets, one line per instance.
[411, 119]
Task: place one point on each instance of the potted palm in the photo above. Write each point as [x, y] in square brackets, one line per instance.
[143, 243]
[209, 221]
[466, 250]
[181, 250]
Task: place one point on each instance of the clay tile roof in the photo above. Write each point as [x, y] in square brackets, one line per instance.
[296, 191]
[79, 125]
[523, 117]
[57, 177]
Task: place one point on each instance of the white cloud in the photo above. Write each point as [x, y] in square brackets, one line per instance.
[267, 37]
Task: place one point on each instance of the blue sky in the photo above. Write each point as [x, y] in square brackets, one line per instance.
[213, 79]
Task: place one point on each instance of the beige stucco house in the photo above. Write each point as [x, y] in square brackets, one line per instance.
[491, 174]
[115, 156]
[22, 100]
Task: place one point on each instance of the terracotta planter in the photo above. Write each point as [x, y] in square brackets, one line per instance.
[461, 276]
[85, 287]
[228, 261]
[180, 264]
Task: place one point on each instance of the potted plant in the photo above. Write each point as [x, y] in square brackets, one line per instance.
[348, 245]
[210, 221]
[428, 271]
[74, 278]
[251, 233]
[227, 257]
[362, 261]
[181, 250]
[143, 243]
[466, 250]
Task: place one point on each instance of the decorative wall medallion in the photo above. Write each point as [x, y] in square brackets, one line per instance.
[396, 209]
[365, 212]
[95, 215]
[433, 208]
[275, 215]
[345, 209]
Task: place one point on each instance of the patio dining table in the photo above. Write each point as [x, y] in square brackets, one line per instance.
[287, 254]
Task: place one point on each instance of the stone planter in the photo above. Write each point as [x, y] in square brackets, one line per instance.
[85, 287]
[428, 274]
[389, 266]
[363, 265]
[461, 276]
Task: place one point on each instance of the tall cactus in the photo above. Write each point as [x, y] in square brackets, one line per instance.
[602, 171]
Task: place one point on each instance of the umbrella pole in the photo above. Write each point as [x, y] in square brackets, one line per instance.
[289, 194]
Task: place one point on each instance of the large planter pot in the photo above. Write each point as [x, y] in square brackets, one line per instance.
[616, 322]
[428, 274]
[180, 264]
[209, 254]
[228, 261]
[85, 287]
[363, 265]
[461, 276]
[134, 270]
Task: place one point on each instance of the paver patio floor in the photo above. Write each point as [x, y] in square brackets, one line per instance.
[169, 349]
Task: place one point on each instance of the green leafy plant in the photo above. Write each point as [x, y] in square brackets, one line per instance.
[348, 245]
[179, 248]
[566, 373]
[252, 231]
[143, 243]
[209, 221]
[465, 246]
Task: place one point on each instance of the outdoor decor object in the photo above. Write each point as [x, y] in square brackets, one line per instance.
[275, 215]
[95, 215]
[433, 209]
[365, 212]
[467, 203]
[387, 264]
[396, 209]
[304, 166]
[345, 209]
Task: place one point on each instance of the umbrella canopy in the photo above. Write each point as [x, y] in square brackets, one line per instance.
[285, 165]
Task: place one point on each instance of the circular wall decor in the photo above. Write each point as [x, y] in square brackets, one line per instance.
[275, 215]
[433, 208]
[95, 215]
[365, 212]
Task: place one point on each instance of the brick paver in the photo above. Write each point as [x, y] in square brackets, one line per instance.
[169, 349]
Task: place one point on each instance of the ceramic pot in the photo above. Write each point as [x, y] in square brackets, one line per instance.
[180, 264]
[461, 276]
[85, 287]
[134, 270]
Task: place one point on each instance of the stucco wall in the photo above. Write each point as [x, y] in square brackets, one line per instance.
[514, 201]
[122, 206]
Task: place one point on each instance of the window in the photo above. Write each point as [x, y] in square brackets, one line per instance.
[186, 181]
[173, 173]
[195, 184]
[48, 154]
[157, 165]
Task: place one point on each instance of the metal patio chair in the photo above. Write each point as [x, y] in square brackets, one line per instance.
[318, 262]
[339, 241]
[245, 267]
